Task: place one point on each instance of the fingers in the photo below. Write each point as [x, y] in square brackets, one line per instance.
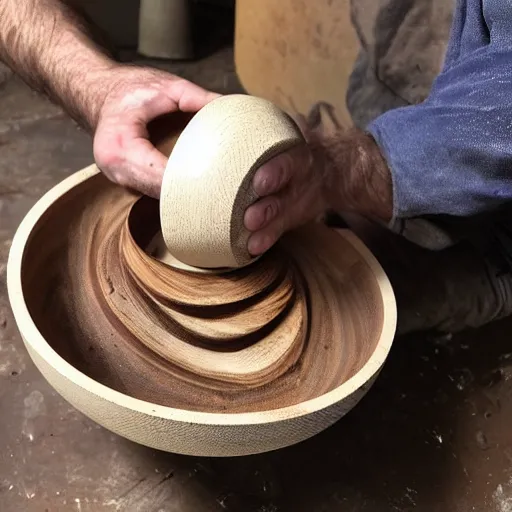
[145, 167]
[282, 199]
[261, 213]
[262, 241]
[131, 162]
[274, 175]
[264, 216]
[189, 97]
[267, 219]
[286, 213]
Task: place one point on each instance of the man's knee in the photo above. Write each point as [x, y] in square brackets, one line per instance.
[446, 290]
[451, 290]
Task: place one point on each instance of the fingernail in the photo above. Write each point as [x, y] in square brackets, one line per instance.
[268, 181]
[253, 245]
[261, 186]
[269, 213]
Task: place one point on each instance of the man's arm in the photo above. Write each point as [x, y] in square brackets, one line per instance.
[452, 154]
[356, 177]
[448, 156]
[48, 45]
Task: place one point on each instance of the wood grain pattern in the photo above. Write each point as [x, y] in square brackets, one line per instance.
[126, 309]
[201, 361]
[118, 345]
[207, 182]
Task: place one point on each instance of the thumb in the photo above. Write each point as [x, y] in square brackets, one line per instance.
[144, 168]
[190, 97]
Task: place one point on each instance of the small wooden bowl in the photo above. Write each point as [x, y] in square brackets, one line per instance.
[60, 289]
[207, 182]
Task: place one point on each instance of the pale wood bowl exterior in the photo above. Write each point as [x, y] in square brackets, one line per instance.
[207, 184]
[178, 430]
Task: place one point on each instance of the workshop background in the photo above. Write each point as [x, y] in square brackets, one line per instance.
[433, 434]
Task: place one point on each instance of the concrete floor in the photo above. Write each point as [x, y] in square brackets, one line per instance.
[432, 435]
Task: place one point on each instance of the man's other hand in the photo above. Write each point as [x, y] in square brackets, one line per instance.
[135, 97]
[290, 190]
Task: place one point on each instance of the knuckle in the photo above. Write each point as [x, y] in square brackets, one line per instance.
[108, 152]
[274, 208]
[121, 178]
[112, 163]
[107, 156]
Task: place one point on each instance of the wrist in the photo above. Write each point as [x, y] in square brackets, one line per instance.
[81, 84]
[93, 91]
[355, 175]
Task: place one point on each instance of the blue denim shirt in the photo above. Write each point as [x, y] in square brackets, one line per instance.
[452, 154]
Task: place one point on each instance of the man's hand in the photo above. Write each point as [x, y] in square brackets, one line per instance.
[337, 169]
[50, 46]
[291, 191]
[291, 186]
[135, 97]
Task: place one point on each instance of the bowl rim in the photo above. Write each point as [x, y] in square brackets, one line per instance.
[32, 337]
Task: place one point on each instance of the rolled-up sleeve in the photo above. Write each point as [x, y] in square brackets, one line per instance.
[452, 154]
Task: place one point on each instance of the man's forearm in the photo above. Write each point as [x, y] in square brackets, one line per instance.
[356, 176]
[47, 44]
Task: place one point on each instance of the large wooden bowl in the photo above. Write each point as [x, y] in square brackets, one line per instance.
[63, 295]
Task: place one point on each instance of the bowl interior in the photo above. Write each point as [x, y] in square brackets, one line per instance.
[56, 271]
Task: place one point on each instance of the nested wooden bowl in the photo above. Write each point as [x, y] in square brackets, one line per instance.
[207, 182]
[226, 363]
[67, 301]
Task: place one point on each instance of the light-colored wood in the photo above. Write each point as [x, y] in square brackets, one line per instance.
[159, 251]
[207, 185]
[165, 29]
[67, 288]
[149, 307]
[296, 53]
